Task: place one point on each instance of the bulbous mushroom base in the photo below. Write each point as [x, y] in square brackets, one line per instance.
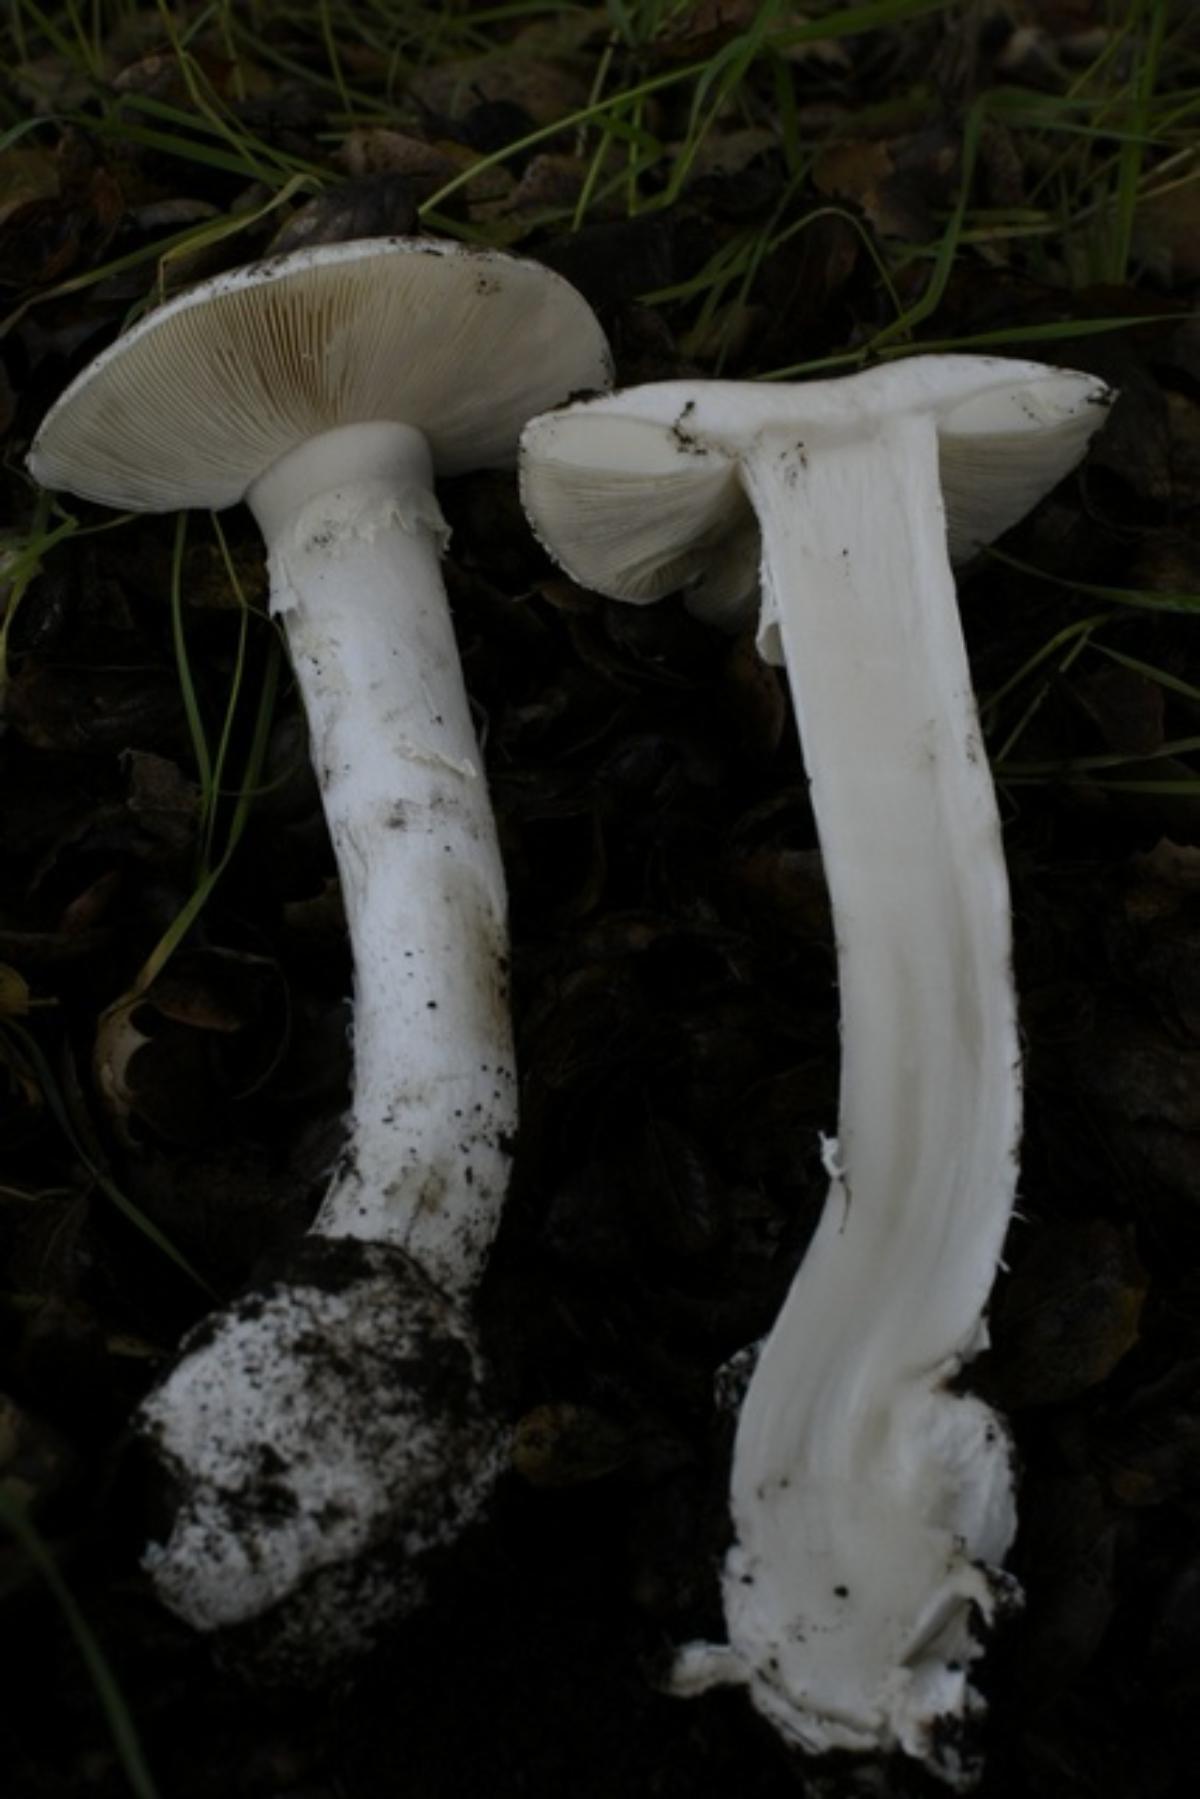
[324, 1436]
[865, 1580]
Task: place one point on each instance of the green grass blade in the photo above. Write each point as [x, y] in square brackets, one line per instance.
[1142, 599]
[15, 1518]
[1081, 628]
[21, 567]
[231, 704]
[1184, 787]
[1153, 14]
[1159, 676]
[183, 670]
[947, 248]
[1082, 765]
[1060, 331]
[79, 1136]
[183, 921]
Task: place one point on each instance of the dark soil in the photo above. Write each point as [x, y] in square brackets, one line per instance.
[677, 1024]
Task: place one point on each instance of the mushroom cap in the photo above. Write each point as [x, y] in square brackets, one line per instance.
[639, 493]
[202, 396]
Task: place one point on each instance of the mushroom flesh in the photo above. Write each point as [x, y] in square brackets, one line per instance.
[872, 1505]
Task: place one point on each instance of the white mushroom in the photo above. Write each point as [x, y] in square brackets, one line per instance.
[872, 1506]
[336, 1416]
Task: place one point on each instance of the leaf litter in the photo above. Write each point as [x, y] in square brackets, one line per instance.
[739, 191]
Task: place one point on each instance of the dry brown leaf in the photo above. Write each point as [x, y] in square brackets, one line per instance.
[545, 91]
[1068, 1314]
[14, 993]
[896, 183]
[1127, 708]
[564, 1445]
[1183, 423]
[1162, 881]
[376, 151]
[549, 181]
[1166, 229]
[26, 177]
[699, 31]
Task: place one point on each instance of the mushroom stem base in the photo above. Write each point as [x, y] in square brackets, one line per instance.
[324, 1436]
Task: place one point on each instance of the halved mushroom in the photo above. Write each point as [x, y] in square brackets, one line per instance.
[872, 1506]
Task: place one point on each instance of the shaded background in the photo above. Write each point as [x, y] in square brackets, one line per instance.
[738, 190]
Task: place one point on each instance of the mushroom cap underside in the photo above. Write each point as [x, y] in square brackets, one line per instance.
[202, 396]
[638, 493]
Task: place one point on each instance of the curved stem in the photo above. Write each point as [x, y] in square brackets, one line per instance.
[865, 1496]
[354, 535]
[332, 1426]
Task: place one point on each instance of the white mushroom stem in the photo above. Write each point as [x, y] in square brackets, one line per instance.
[871, 1506]
[354, 535]
[329, 1429]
